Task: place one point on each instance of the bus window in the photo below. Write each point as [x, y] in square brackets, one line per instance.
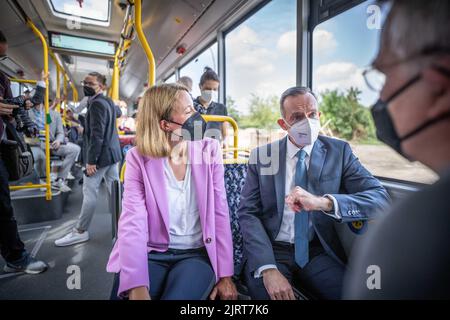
[96, 12]
[194, 69]
[171, 79]
[260, 58]
[342, 47]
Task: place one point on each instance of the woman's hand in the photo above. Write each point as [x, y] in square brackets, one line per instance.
[139, 293]
[225, 289]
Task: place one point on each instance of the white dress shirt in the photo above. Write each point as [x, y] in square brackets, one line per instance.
[185, 230]
[287, 228]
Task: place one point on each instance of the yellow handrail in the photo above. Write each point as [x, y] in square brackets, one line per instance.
[23, 81]
[75, 97]
[59, 68]
[119, 56]
[28, 186]
[144, 43]
[65, 82]
[122, 172]
[115, 77]
[235, 149]
[48, 194]
[58, 88]
[213, 118]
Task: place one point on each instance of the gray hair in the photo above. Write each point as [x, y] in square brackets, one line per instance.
[293, 92]
[415, 26]
[186, 81]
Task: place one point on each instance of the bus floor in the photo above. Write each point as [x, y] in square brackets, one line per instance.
[75, 272]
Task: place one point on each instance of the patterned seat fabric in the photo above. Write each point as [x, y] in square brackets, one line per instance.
[235, 175]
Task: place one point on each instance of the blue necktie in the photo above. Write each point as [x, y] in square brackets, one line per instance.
[301, 218]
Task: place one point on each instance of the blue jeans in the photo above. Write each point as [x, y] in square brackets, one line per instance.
[178, 275]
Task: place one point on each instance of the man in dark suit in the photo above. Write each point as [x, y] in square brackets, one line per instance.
[102, 154]
[285, 248]
[407, 255]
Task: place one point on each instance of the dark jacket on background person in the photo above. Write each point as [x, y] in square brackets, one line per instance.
[101, 140]
[216, 109]
[5, 86]
[417, 264]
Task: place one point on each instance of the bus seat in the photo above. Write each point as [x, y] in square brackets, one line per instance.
[235, 175]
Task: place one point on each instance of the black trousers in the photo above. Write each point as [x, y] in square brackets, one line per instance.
[178, 275]
[11, 247]
[321, 278]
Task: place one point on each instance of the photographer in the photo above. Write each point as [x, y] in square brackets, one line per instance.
[12, 248]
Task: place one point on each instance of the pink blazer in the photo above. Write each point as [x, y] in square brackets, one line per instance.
[144, 222]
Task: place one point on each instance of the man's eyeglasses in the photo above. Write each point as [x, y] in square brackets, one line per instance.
[375, 79]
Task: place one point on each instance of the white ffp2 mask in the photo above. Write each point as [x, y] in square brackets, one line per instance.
[209, 96]
[305, 132]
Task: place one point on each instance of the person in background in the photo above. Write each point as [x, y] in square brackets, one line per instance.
[408, 250]
[12, 249]
[174, 238]
[58, 146]
[187, 82]
[102, 154]
[208, 103]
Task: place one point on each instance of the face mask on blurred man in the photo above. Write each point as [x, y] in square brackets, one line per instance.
[88, 91]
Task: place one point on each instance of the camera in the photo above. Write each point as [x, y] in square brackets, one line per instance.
[23, 122]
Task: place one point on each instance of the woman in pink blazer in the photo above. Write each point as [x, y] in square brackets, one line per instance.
[174, 238]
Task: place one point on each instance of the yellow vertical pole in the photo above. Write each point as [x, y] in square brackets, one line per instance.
[144, 43]
[66, 99]
[74, 92]
[59, 71]
[48, 194]
[115, 77]
[58, 88]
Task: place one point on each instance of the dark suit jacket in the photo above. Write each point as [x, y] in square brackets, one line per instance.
[333, 169]
[101, 140]
[410, 246]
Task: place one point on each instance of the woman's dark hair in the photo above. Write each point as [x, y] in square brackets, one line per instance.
[208, 74]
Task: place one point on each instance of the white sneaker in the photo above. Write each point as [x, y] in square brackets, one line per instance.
[53, 176]
[70, 176]
[62, 186]
[41, 181]
[72, 238]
